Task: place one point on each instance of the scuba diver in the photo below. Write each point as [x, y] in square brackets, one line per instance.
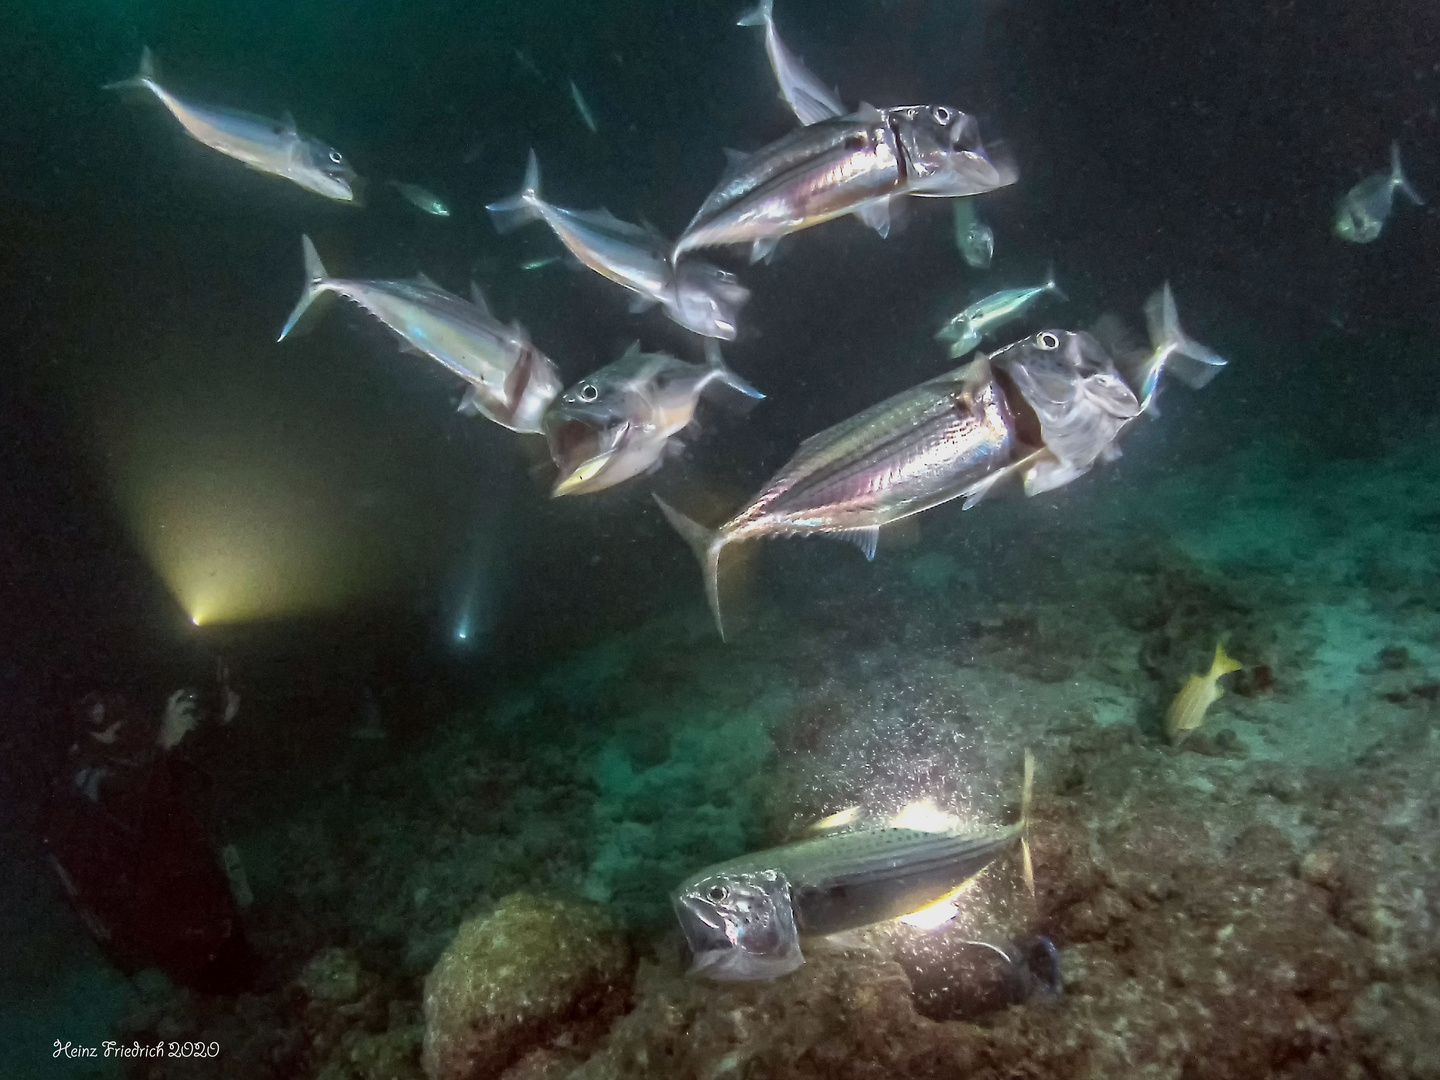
[131, 849]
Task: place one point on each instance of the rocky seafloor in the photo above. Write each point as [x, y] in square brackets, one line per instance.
[1261, 900]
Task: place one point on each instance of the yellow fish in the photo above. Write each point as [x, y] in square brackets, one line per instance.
[1187, 711]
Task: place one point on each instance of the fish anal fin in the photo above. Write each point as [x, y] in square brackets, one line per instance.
[762, 250]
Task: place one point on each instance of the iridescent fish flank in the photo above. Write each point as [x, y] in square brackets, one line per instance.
[849, 165]
[268, 146]
[509, 379]
[745, 918]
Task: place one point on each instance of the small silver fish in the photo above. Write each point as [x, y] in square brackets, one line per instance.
[265, 145]
[616, 423]
[972, 236]
[583, 109]
[745, 918]
[700, 297]
[510, 380]
[421, 199]
[1046, 409]
[848, 165]
[967, 329]
[809, 99]
[1362, 213]
[540, 262]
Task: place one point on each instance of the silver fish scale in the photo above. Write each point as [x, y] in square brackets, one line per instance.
[920, 448]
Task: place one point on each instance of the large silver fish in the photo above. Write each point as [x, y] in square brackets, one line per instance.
[849, 165]
[809, 99]
[1044, 409]
[510, 380]
[1362, 213]
[967, 329]
[697, 295]
[268, 146]
[745, 918]
[616, 423]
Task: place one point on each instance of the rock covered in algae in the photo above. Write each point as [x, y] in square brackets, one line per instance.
[532, 974]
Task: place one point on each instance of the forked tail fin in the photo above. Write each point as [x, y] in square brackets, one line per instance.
[707, 544]
[317, 288]
[1171, 350]
[144, 79]
[759, 15]
[521, 208]
[1397, 176]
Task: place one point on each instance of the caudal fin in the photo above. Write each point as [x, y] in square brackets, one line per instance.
[1171, 350]
[509, 214]
[759, 15]
[1397, 177]
[317, 283]
[717, 364]
[144, 80]
[706, 543]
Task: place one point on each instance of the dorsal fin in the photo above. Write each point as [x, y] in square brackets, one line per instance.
[287, 124]
[478, 299]
[868, 113]
[425, 280]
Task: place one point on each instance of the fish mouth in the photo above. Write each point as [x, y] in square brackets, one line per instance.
[580, 449]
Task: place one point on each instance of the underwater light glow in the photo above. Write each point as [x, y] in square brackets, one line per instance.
[238, 527]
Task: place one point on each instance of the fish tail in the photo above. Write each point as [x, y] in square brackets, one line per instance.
[144, 79]
[1026, 790]
[706, 543]
[509, 214]
[1050, 285]
[316, 289]
[1397, 176]
[1223, 663]
[1189, 361]
[717, 364]
[759, 15]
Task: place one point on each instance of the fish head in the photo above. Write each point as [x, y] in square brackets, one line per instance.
[943, 154]
[328, 173]
[707, 299]
[739, 926]
[596, 433]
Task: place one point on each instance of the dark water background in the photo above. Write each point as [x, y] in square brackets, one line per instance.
[144, 276]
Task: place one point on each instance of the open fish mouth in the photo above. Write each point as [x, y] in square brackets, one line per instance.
[572, 441]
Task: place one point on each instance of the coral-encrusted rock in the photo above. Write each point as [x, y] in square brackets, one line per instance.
[533, 973]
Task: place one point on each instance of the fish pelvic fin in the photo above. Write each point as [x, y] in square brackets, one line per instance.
[509, 214]
[707, 544]
[1026, 790]
[1397, 177]
[1189, 361]
[716, 363]
[148, 75]
[760, 15]
[317, 288]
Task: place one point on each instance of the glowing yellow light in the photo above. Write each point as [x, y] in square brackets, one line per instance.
[238, 527]
[925, 816]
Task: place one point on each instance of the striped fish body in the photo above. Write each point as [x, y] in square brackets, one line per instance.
[918, 449]
[510, 380]
[812, 175]
[869, 876]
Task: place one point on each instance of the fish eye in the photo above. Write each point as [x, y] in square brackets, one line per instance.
[941, 114]
[717, 893]
[588, 392]
[855, 142]
[336, 157]
[1047, 341]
